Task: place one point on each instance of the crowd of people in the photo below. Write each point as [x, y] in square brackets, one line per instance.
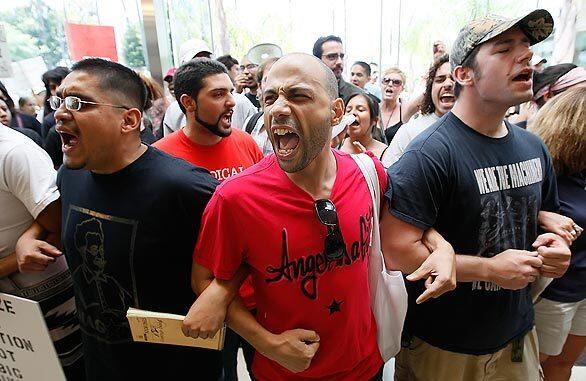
[226, 197]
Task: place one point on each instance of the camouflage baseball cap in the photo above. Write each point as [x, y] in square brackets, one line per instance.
[537, 25]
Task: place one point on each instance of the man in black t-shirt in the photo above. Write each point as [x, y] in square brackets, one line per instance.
[480, 182]
[131, 216]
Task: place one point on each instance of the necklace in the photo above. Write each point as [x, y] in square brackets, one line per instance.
[386, 124]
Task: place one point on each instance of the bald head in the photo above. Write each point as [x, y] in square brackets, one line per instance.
[306, 63]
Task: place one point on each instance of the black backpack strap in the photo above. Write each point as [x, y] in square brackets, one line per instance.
[252, 121]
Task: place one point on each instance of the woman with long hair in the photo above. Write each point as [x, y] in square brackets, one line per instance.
[366, 111]
[560, 314]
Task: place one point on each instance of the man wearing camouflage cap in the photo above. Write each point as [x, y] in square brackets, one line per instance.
[480, 182]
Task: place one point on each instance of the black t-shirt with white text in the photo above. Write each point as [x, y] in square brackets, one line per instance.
[483, 195]
[128, 238]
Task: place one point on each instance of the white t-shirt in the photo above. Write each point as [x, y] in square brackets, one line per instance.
[27, 186]
[174, 118]
[404, 135]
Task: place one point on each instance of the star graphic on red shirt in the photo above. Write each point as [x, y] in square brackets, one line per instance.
[335, 306]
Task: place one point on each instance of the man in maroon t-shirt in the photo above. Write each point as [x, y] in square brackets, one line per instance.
[300, 222]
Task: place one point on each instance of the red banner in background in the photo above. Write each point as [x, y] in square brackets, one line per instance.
[96, 41]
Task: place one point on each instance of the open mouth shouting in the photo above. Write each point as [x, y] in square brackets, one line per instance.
[286, 142]
[69, 140]
[226, 118]
[525, 77]
[356, 124]
[389, 92]
[447, 99]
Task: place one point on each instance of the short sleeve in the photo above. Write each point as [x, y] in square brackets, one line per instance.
[219, 248]
[416, 186]
[30, 177]
[549, 190]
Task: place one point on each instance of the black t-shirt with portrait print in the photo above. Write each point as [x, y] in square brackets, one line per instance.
[483, 195]
[128, 238]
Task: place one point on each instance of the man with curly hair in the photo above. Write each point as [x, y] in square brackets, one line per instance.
[438, 99]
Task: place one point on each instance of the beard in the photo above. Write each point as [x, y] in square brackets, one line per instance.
[309, 145]
[213, 128]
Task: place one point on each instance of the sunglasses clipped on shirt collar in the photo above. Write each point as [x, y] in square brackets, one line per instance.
[334, 246]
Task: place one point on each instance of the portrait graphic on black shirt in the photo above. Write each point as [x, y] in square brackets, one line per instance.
[101, 295]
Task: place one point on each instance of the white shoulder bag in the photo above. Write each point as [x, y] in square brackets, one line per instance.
[388, 296]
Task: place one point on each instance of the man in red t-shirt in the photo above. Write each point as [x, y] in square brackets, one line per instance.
[207, 140]
[204, 90]
[300, 222]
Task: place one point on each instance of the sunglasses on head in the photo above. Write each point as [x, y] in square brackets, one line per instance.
[394, 82]
[334, 246]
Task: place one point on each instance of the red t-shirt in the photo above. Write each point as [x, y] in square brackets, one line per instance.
[262, 218]
[232, 155]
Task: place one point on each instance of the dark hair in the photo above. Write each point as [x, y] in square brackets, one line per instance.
[427, 106]
[373, 106]
[470, 62]
[189, 77]
[365, 66]
[228, 61]
[260, 71]
[317, 47]
[56, 76]
[6, 98]
[116, 78]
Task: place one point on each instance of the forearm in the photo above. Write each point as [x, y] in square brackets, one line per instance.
[471, 268]
[8, 265]
[222, 290]
[241, 320]
[468, 267]
[224, 294]
[35, 231]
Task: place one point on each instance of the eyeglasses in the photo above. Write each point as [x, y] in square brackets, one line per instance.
[394, 82]
[250, 66]
[334, 246]
[333, 56]
[74, 103]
